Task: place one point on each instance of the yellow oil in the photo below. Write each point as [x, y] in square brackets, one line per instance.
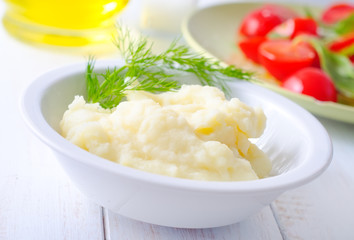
[63, 22]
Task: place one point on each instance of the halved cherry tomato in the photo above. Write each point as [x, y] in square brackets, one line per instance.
[296, 26]
[313, 82]
[282, 58]
[341, 43]
[316, 62]
[337, 12]
[249, 47]
[260, 21]
[351, 58]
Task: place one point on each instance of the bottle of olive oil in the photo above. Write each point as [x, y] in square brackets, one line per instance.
[63, 22]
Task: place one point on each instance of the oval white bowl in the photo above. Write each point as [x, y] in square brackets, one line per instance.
[298, 145]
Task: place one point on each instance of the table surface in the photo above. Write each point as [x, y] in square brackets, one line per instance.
[38, 201]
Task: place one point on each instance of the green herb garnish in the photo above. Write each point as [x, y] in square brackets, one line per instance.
[146, 71]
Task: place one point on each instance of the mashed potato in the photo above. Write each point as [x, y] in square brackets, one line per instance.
[193, 133]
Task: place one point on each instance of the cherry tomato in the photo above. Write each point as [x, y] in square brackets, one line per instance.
[296, 26]
[261, 21]
[341, 43]
[249, 46]
[282, 58]
[351, 58]
[316, 62]
[258, 24]
[313, 82]
[337, 12]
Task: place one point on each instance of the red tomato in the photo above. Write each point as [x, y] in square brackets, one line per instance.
[296, 26]
[343, 42]
[249, 47]
[313, 82]
[282, 58]
[337, 12]
[261, 21]
[316, 62]
[258, 24]
[351, 58]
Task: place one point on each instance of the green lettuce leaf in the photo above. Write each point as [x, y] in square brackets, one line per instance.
[338, 67]
[345, 26]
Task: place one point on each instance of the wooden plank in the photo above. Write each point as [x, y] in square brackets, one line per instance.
[262, 226]
[38, 201]
[323, 209]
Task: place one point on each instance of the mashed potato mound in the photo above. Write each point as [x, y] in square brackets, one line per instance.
[193, 133]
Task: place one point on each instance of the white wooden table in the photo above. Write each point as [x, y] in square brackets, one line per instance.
[38, 201]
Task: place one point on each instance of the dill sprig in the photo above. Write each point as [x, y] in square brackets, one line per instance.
[146, 71]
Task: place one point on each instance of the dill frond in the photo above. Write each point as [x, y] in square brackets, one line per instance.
[146, 71]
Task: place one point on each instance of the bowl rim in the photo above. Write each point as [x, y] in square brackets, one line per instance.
[30, 108]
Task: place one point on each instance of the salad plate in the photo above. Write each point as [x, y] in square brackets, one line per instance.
[213, 32]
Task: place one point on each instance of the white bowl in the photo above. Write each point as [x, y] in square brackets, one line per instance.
[297, 144]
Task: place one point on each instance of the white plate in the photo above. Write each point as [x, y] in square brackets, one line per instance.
[213, 31]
